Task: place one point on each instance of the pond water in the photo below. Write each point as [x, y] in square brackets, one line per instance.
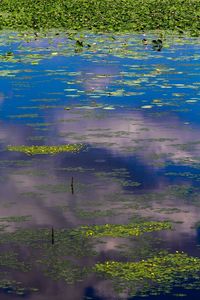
[136, 113]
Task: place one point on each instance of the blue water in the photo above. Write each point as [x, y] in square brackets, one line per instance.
[135, 109]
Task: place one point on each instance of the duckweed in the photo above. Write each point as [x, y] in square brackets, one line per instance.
[32, 150]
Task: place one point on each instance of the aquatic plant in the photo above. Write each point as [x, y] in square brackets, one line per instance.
[104, 15]
[14, 287]
[52, 259]
[32, 150]
[15, 219]
[114, 230]
[94, 213]
[152, 276]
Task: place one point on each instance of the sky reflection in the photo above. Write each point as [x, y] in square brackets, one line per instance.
[136, 111]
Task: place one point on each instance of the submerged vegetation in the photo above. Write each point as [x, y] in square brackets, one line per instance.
[102, 15]
[32, 150]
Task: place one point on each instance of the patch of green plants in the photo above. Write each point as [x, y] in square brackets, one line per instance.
[10, 260]
[66, 242]
[86, 214]
[115, 230]
[105, 15]
[156, 275]
[33, 150]
[52, 260]
[58, 268]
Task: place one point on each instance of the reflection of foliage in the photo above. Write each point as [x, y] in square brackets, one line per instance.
[32, 150]
[114, 230]
[154, 275]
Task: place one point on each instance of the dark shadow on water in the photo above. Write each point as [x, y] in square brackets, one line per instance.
[91, 295]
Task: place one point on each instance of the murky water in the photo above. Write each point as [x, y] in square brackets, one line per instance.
[136, 110]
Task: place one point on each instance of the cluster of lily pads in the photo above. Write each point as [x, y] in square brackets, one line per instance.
[102, 15]
[156, 275]
[115, 230]
[32, 150]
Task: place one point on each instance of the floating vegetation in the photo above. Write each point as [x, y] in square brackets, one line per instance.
[184, 174]
[51, 260]
[16, 219]
[114, 230]
[66, 242]
[94, 213]
[24, 116]
[9, 260]
[109, 16]
[33, 150]
[115, 175]
[57, 269]
[15, 287]
[153, 276]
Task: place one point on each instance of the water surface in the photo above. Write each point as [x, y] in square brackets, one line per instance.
[136, 110]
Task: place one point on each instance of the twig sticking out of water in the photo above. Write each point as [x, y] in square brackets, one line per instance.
[52, 236]
[72, 185]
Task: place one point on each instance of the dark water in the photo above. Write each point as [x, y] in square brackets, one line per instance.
[137, 112]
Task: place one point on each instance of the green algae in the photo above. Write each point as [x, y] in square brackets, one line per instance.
[156, 275]
[114, 230]
[33, 150]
